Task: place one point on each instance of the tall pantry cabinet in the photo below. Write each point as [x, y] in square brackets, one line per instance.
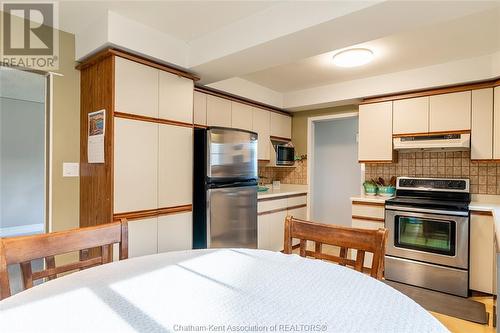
[146, 176]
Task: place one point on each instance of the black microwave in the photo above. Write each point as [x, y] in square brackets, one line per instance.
[285, 155]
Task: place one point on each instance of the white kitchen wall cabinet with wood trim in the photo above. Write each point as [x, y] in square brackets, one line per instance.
[375, 132]
[496, 124]
[200, 108]
[281, 125]
[241, 116]
[218, 111]
[482, 124]
[146, 176]
[450, 112]
[261, 121]
[411, 115]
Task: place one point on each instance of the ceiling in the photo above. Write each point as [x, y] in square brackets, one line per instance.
[470, 36]
[185, 20]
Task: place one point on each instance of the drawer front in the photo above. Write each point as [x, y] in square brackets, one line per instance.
[296, 201]
[370, 211]
[265, 206]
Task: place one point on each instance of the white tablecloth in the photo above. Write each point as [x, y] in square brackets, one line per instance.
[224, 290]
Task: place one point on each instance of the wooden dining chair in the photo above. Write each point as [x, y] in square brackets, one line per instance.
[361, 240]
[22, 250]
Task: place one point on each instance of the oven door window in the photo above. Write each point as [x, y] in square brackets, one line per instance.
[427, 235]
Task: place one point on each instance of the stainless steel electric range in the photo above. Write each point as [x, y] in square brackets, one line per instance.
[428, 242]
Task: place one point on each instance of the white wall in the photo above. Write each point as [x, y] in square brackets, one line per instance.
[337, 173]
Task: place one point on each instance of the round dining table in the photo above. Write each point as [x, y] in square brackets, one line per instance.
[216, 290]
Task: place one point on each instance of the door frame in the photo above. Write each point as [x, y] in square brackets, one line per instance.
[311, 127]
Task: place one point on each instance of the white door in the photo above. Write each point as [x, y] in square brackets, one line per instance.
[375, 132]
[281, 125]
[175, 98]
[262, 125]
[136, 88]
[142, 237]
[450, 112]
[175, 232]
[411, 115]
[135, 165]
[175, 175]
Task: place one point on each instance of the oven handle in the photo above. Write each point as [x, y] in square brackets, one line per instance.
[425, 210]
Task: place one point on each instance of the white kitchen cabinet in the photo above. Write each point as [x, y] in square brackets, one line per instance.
[175, 166]
[175, 232]
[142, 237]
[261, 120]
[281, 125]
[175, 97]
[275, 230]
[411, 115]
[375, 132]
[241, 116]
[200, 108]
[450, 112]
[135, 165]
[496, 124]
[482, 253]
[218, 111]
[365, 224]
[482, 124]
[136, 88]
[298, 213]
[367, 215]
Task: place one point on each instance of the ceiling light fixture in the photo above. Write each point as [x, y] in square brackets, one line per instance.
[353, 57]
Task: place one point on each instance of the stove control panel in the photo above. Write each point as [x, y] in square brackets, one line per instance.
[433, 184]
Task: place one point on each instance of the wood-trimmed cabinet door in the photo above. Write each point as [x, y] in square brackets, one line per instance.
[175, 169]
[375, 132]
[175, 232]
[175, 97]
[136, 88]
[411, 115]
[281, 125]
[276, 230]
[241, 116]
[200, 108]
[450, 112]
[496, 124]
[482, 253]
[142, 237]
[135, 165]
[262, 126]
[482, 124]
[218, 111]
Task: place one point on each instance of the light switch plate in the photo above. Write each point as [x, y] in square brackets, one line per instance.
[71, 169]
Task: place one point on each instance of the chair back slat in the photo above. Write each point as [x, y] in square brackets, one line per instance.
[22, 250]
[361, 240]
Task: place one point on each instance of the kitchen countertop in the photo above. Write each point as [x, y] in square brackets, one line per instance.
[488, 203]
[370, 198]
[284, 190]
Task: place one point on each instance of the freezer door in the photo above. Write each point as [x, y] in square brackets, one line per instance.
[232, 217]
[231, 154]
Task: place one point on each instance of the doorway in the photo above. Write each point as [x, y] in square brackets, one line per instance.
[335, 174]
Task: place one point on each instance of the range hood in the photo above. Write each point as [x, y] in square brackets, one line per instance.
[433, 142]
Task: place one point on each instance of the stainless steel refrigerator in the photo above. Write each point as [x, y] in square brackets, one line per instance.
[224, 188]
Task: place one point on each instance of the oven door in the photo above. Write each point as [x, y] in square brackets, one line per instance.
[429, 237]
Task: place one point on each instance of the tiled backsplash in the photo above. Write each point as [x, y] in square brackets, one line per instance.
[484, 176]
[296, 175]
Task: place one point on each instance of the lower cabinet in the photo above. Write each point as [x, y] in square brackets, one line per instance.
[175, 232]
[142, 237]
[160, 234]
[482, 259]
[271, 220]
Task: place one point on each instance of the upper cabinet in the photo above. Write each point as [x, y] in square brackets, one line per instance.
[261, 120]
[281, 125]
[450, 112]
[375, 132]
[218, 111]
[136, 88]
[482, 124]
[241, 116]
[496, 117]
[175, 97]
[200, 108]
[411, 115]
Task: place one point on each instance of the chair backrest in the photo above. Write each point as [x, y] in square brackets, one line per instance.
[22, 250]
[361, 240]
